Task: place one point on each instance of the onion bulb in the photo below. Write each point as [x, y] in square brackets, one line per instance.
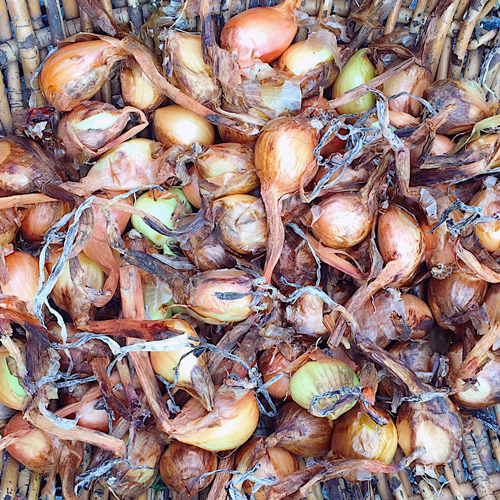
[22, 281]
[285, 161]
[484, 390]
[12, 393]
[470, 101]
[316, 378]
[488, 233]
[229, 134]
[38, 219]
[191, 190]
[181, 468]
[137, 88]
[357, 71]
[227, 169]
[231, 423]
[75, 296]
[177, 125]
[451, 298]
[76, 72]
[94, 127]
[305, 315]
[187, 69]
[88, 415]
[192, 373]
[274, 462]
[260, 34]
[272, 361]
[301, 433]
[242, 222]
[167, 207]
[342, 220]
[357, 436]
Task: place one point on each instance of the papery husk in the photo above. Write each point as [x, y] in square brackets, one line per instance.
[39, 218]
[371, 14]
[10, 220]
[229, 425]
[185, 67]
[93, 142]
[306, 315]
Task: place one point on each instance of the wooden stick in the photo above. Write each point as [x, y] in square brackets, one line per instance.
[483, 40]
[56, 23]
[35, 9]
[458, 470]
[5, 34]
[452, 483]
[383, 487]
[425, 490]
[397, 487]
[217, 490]
[444, 60]
[86, 22]
[480, 480]
[100, 491]
[495, 444]
[70, 9]
[483, 446]
[10, 473]
[473, 64]
[35, 482]
[403, 474]
[135, 14]
[23, 482]
[461, 8]
[417, 17]
[392, 19]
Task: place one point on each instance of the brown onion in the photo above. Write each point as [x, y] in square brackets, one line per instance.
[272, 361]
[192, 189]
[23, 272]
[305, 315]
[450, 299]
[181, 468]
[177, 125]
[301, 433]
[260, 34]
[274, 462]
[39, 218]
[285, 161]
[242, 222]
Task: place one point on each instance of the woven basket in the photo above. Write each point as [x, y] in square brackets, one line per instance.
[29, 29]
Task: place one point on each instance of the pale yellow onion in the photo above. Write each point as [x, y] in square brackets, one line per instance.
[12, 393]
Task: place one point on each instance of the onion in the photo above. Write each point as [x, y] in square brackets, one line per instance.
[275, 462]
[75, 297]
[316, 378]
[312, 61]
[76, 72]
[488, 233]
[469, 99]
[342, 220]
[227, 169]
[242, 222]
[9, 224]
[356, 435]
[191, 190]
[385, 318]
[357, 71]
[87, 414]
[36, 451]
[23, 273]
[305, 315]
[177, 125]
[12, 393]
[95, 127]
[272, 361]
[301, 433]
[260, 34]
[229, 134]
[137, 89]
[442, 145]
[484, 390]
[192, 373]
[415, 81]
[167, 207]
[231, 423]
[38, 219]
[182, 466]
[451, 298]
[285, 161]
[157, 297]
[187, 69]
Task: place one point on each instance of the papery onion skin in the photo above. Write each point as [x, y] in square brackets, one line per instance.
[157, 297]
[357, 71]
[488, 233]
[39, 218]
[12, 393]
[88, 415]
[177, 125]
[306, 315]
[9, 225]
[260, 34]
[315, 378]
[271, 361]
[23, 273]
[276, 462]
[137, 88]
[75, 72]
[228, 134]
[242, 222]
[342, 220]
[36, 451]
[356, 435]
[452, 297]
[301, 433]
[191, 190]
[182, 465]
[485, 391]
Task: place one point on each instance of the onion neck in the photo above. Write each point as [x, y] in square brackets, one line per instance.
[276, 232]
[287, 8]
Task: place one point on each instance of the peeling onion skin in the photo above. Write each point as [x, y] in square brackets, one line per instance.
[182, 465]
[271, 361]
[487, 381]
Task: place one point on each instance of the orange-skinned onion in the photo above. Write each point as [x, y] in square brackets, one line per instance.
[274, 462]
[182, 466]
[38, 219]
[452, 297]
[75, 72]
[285, 161]
[12, 393]
[260, 34]
[177, 125]
[191, 190]
[485, 389]
[270, 362]
[356, 435]
[23, 273]
[488, 233]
